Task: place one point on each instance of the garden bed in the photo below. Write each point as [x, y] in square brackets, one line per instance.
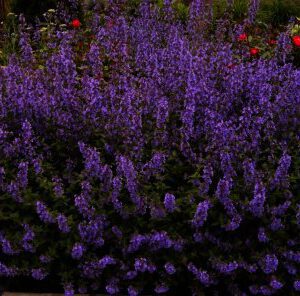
[150, 148]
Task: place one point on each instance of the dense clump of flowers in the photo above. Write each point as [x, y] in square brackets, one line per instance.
[142, 163]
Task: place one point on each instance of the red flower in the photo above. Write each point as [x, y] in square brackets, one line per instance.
[254, 51]
[76, 23]
[243, 37]
[272, 42]
[110, 24]
[230, 66]
[296, 40]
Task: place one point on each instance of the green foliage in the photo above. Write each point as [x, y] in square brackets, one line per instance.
[10, 42]
[4, 8]
[278, 12]
[240, 9]
[182, 10]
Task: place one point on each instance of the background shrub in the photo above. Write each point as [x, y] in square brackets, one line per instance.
[279, 12]
[32, 9]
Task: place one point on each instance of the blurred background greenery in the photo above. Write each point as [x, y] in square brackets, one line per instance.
[32, 8]
[275, 12]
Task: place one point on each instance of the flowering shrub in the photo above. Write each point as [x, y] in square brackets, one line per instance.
[141, 156]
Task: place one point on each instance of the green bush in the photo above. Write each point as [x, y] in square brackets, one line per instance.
[278, 12]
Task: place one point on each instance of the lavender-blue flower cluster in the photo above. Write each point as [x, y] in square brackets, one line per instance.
[143, 164]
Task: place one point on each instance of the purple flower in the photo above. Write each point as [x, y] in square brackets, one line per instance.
[151, 268]
[169, 202]
[297, 285]
[58, 187]
[201, 275]
[227, 268]
[269, 263]
[222, 193]
[7, 247]
[8, 271]
[257, 203]
[198, 237]
[37, 166]
[253, 8]
[45, 259]
[141, 264]
[82, 203]
[265, 290]
[2, 177]
[291, 269]
[26, 49]
[276, 224]
[22, 176]
[91, 232]
[117, 232]
[106, 260]
[281, 174]
[132, 291]
[14, 190]
[130, 274]
[162, 112]
[94, 269]
[38, 273]
[170, 268]
[116, 188]
[161, 288]
[281, 209]
[62, 222]
[207, 178]
[112, 288]
[77, 251]
[157, 212]
[43, 213]
[155, 165]
[159, 240]
[82, 290]
[28, 238]
[283, 49]
[91, 160]
[262, 237]
[136, 242]
[178, 245]
[249, 172]
[201, 213]
[275, 284]
[69, 290]
[126, 168]
[234, 223]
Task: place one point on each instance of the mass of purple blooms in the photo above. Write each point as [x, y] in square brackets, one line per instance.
[144, 165]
